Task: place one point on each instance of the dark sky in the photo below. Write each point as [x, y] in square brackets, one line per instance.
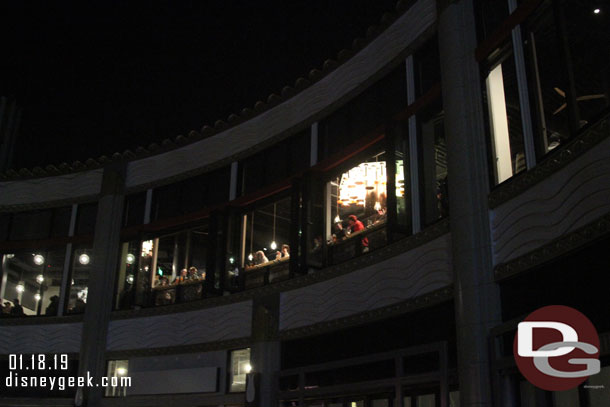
[95, 79]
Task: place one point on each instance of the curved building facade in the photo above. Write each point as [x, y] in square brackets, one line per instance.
[369, 237]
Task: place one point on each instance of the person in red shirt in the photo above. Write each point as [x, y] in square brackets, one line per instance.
[354, 225]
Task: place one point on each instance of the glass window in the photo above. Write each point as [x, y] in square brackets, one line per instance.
[491, 14]
[145, 271]
[402, 182]
[240, 366]
[454, 399]
[31, 225]
[117, 370]
[191, 195]
[427, 67]
[33, 281]
[275, 163]
[426, 400]
[357, 208]
[5, 225]
[266, 243]
[61, 221]
[434, 189]
[588, 37]
[547, 81]
[86, 217]
[505, 120]
[79, 282]
[128, 267]
[135, 205]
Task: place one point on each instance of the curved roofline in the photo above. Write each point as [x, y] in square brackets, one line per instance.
[220, 125]
[228, 142]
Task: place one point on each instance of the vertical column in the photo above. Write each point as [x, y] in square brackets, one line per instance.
[265, 353]
[101, 281]
[476, 295]
[413, 157]
[65, 284]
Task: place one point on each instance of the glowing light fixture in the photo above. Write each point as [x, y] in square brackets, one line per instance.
[84, 259]
[231, 260]
[273, 244]
[247, 367]
[20, 287]
[250, 257]
[38, 259]
[39, 278]
[337, 219]
[130, 278]
[37, 297]
[121, 371]
[597, 11]
[130, 258]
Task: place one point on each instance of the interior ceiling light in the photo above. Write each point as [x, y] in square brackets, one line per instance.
[130, 258]
[597, 11]
[39, 278]
[20, 287]
[84, 259]
[37, 297]
[38, 259]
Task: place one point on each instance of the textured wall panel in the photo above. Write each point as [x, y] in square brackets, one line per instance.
[419, 271]
[49, 338]
[69, 186]
[573, 197]
[185, 328]
[295, 110]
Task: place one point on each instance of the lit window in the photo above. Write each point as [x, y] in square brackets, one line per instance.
[117, 369]
[240, 366]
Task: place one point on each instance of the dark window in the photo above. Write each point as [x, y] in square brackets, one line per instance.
[134, 209]
[31, 225]
[61, 221]
[276, 163]
[427, 67]
[86, 217]
[362, 115]
[192, 194]
[5, 225]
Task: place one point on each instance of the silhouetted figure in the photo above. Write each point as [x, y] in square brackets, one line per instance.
[17, 310]
[53, 306]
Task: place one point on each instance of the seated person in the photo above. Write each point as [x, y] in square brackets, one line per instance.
[53, 306]
[182, 277]
[193, 274]
[17, 310]
[284, 253]
[260, 258]
[356, 226]
[382, 215]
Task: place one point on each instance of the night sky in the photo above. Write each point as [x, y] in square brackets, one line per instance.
[95, 79]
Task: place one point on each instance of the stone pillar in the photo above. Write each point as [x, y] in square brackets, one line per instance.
[477, 306]
[265, 352]
[104, 265]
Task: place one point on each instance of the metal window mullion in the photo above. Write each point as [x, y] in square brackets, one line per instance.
[313, 153]
[65, 284]
[413, 158]
[233, 186]
[148, 206]
[526, 117]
